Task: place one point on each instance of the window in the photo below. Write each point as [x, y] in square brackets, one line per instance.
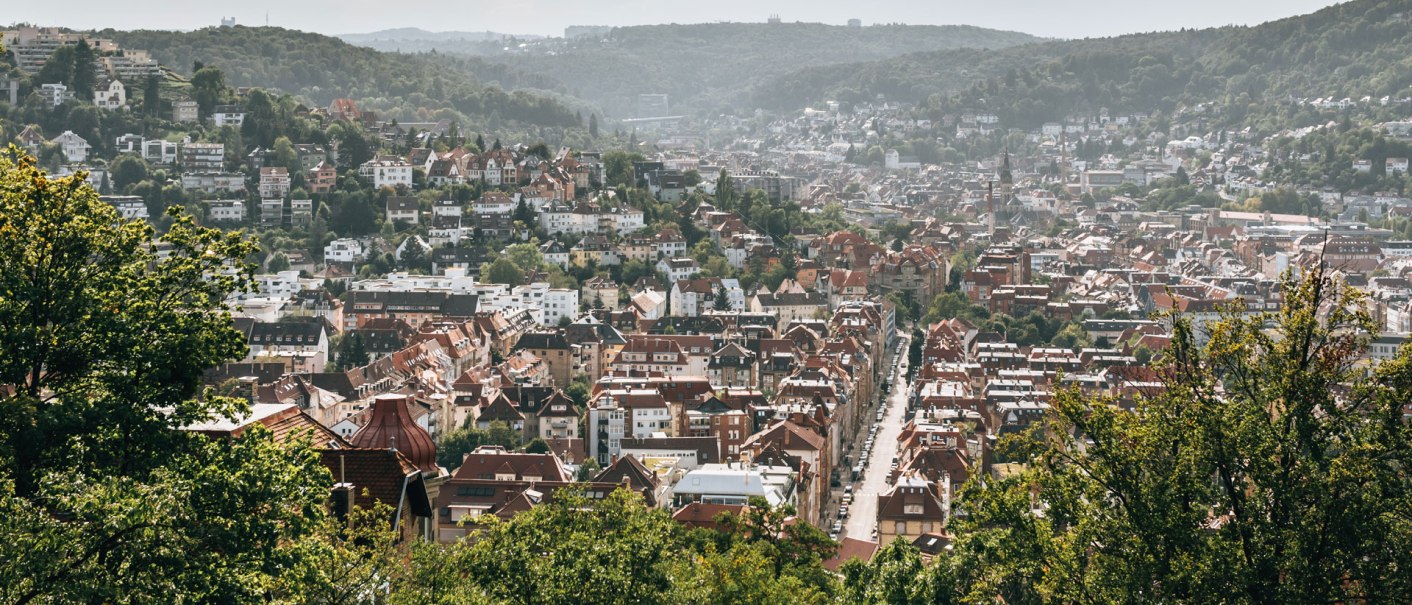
[901, 527]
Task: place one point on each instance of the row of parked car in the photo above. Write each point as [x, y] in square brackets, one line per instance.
[899, 368]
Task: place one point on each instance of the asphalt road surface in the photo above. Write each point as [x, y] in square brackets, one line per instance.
[864, 512]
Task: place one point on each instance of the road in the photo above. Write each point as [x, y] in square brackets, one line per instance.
[864, 512]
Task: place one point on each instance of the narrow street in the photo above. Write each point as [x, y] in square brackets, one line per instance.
[864, 511]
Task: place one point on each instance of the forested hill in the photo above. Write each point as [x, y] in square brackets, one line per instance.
[1350, 50]
[704, 66]
[322, 68]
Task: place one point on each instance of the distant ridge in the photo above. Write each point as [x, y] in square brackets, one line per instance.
[1354, 49]
[705, 66]
[416, 34]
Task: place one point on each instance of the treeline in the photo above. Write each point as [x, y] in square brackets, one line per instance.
[710, 67]
[322, 68]
[1349, 50]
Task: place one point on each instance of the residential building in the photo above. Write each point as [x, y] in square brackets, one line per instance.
[75, 148]
[228, 115]
[403, 208]
[696, 297]
[185, 111]
[55, 94]
[203, 157]
[225, 211]
[387, 171]
[321, 179]
[274, 182]
[157, 151]
[110, 94]
[213, 182]
[344, 250]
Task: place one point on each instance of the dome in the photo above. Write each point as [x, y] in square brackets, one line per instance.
[391, 427]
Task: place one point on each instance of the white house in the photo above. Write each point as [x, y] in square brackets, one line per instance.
[387, 171]
[75, 148]
[274, 182]
[678, 269]
[157, 151]
[110, 94]
[343, 250]
[231, 211]
[694, 297]
[228, 115]
[616, 414]
[55, 94]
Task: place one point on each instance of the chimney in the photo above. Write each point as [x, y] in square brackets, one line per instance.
[343, 493]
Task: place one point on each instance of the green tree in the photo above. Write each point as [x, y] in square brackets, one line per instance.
[554, 553]
[416, 259]
[352, 351]
[59, 68]
[502, 271]
[208, 89]
[1266, 472]
[725, 191]
[152, 96]
[454, 445]
[894, 576]
[278, 262]
[285, 155]
[103, 344]
[221, 519]
[723, 299]
[86, 305]
[617, 168]
[127, 170]
[84, 74]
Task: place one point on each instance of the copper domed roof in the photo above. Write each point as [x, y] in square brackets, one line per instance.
[391, 427]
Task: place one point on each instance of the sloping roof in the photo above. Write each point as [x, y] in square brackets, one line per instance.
[697, 514]
[849, 549]
[629, 470]
[378, 475]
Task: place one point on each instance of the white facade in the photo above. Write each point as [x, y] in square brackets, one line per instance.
[75, 148]
[55, 94]
[686, 303]
[226, 210]
[387, 173]
[343, 250]
[609, 422]
[157, 151]
[114, 96]
[545, 304]
[678, 269]
[228, 117]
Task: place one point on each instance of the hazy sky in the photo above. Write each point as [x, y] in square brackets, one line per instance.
[1052, 18]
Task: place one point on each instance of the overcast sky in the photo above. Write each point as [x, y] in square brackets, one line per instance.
[1050, 18]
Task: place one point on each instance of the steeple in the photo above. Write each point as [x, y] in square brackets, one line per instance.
[1005, 177]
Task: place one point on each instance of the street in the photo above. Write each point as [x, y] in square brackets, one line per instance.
[864, 511]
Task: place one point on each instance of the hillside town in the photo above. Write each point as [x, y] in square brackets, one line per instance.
[841, 310]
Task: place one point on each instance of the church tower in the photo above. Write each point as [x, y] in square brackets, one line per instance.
[1007, 181]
